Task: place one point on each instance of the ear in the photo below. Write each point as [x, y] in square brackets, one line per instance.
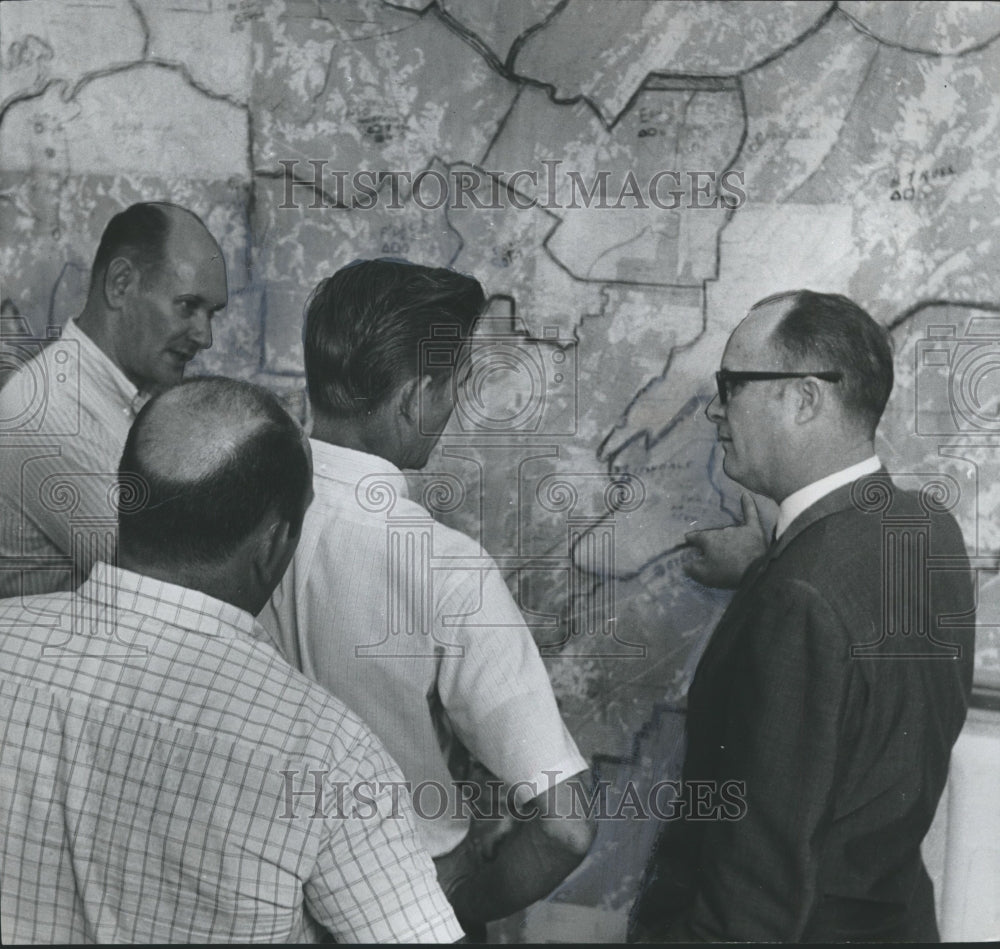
[273, 551]
[118, 278]
[809, 398]
[411, 395]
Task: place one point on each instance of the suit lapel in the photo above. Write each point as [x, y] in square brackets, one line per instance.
[841, 499]
[838, 500]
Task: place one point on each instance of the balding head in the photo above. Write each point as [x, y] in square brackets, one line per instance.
[141, 233]
[208, 463]
[803, 382]
[828, 330]
[159, 277]
[193, 431]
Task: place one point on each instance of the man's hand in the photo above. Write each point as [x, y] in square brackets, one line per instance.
[525, 863]
[488, 834]
[724, 553]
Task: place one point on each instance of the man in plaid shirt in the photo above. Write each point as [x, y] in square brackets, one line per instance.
[164, 775]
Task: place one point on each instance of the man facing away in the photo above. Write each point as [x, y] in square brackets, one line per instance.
[157, 280]
[835, 718]
[465, 674]
[150, 728]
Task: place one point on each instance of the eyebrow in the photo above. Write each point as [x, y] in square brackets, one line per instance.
[201, 299]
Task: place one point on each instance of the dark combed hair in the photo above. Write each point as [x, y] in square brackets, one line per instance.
[366, 325]
[166, 518]
[140, 233]
[827, 331]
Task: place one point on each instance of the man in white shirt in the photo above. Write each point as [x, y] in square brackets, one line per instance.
[439, 661]
[157, 280]
[831, 712]
[165, 776]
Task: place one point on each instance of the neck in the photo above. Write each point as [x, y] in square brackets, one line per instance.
[820, 461]
[96, 323]
[365, 434]
[230, 585]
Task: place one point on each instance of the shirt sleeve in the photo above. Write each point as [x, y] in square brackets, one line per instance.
[497, 694]
[48, 479]
[760, 870]
[373, 882]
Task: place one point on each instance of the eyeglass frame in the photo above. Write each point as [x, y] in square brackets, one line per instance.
[724, 377]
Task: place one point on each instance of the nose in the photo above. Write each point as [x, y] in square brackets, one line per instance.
[715, 411]
[201, 330]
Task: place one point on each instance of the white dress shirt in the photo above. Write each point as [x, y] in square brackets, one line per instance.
[806, 497]
[411, 624]
[64, 418]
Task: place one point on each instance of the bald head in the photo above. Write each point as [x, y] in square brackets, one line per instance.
[141, 233]
[158, 280]
[213, 459]
[192, 431]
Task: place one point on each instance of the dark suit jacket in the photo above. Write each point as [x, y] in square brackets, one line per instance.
[840, 724]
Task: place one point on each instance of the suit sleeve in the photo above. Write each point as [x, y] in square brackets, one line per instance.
[760, 872]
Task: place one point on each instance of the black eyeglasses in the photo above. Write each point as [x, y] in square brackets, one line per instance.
[724, 378]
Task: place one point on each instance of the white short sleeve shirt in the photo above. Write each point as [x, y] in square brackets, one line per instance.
[411, 624]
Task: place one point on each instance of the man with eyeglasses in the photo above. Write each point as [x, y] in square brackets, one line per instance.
[833, 721]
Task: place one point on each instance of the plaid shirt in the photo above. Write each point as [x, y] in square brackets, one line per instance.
[166, 777]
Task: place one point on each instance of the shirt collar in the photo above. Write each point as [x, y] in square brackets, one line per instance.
[806, 497]
[102, 372]
[350, 466]
[179, 606]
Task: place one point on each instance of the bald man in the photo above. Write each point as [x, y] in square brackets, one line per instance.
[164, 775]
[157, 280]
